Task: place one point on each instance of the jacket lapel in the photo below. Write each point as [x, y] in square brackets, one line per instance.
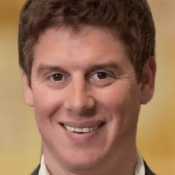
[36, 172]
[147, 170]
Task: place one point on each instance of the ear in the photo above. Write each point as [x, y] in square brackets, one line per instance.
[28, 94]
[148, 80]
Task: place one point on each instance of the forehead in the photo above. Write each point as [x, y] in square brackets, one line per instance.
[87, 44]
[85, 34]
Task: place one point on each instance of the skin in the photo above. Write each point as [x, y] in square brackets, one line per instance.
[87, 77]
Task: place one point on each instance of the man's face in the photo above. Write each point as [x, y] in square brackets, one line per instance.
[85, 96]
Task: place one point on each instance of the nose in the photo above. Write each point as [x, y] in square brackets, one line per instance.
[79, 98]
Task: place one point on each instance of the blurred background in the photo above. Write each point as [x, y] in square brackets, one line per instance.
[20, 144]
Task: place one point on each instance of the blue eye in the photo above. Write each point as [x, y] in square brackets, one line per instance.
[57, 77]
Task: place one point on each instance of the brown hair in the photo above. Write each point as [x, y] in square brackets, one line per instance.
[131, 20]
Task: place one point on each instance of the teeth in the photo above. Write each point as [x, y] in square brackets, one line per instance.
[86, 130]
[80, 130]
[91, 129]
[71, 129]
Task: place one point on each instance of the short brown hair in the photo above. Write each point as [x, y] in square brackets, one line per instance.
[130, 19]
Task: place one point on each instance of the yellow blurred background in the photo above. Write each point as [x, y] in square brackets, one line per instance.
[20, 144]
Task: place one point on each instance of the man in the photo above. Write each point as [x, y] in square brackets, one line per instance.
[87, 67]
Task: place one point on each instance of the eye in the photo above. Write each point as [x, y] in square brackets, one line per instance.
[57, 77]
[102, 75]
[57, 80]
[102, 78]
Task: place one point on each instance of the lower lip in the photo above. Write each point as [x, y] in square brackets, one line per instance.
[76, 137]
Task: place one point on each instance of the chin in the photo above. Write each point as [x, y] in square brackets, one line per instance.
[83, 164]
[82, 161]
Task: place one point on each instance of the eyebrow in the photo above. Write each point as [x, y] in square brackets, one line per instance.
[42, 69]
[110, 65]
[106, 66]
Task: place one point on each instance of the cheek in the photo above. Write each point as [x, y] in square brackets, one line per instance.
[122, 103]
[46, 104]
[114, 99]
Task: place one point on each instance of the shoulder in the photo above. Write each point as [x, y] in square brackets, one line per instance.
[147, 170]
[36, 171]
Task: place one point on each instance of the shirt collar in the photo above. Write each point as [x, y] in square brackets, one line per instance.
[139, 170]
[140, 167]
[43, 169]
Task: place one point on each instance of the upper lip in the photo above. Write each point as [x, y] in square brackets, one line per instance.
[82, 124]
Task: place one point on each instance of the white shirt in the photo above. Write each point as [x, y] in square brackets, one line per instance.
[140, 168]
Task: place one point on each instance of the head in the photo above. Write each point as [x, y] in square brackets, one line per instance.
[87, 63]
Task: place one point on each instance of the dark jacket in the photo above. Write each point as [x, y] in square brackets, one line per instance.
[148, 171]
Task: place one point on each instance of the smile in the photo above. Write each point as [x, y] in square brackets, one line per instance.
[83, 129]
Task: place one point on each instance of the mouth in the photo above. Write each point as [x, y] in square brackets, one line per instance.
[82, 130]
